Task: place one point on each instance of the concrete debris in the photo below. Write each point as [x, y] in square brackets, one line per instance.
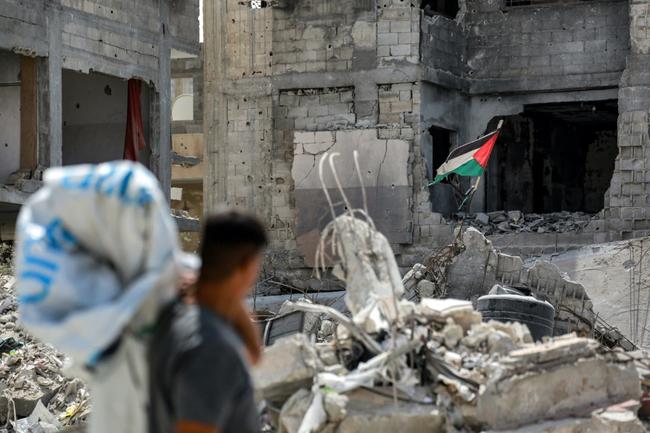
[478, 266]
[378, 412]
[615, 419]
[501, 222]
[32, 379]
[288, 365]
[434, 365]
[567, 389]
[488, 376]
[293, 411]
[367, 265]
[40, 421]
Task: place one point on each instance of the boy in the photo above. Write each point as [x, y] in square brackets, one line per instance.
[199, 355]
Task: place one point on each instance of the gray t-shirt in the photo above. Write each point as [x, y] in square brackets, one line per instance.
[198, 373]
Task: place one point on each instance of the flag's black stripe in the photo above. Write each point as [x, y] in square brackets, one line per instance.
[472, 145]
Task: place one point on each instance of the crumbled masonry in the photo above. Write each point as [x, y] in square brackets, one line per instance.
[500, 222]
[435, 366]
[36, 396]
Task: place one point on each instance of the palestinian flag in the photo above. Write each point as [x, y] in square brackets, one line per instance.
[469, 159]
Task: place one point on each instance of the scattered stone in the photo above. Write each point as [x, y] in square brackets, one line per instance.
[426, 289]
[482, 218]
[288, 365]
[500, 222]
[293, 411]
[452, 334]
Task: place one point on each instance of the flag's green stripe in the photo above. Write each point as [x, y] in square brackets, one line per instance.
[470, 168]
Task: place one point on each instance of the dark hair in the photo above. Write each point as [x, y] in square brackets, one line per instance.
[230, 239]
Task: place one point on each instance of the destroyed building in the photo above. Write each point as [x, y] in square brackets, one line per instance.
[187, 144]
[64, 71]
[402, 82]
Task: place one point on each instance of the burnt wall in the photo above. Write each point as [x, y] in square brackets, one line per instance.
[554, 46]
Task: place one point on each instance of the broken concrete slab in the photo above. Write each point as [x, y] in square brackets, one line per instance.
[571, 389]
[601, 267]
[615, 419]
[377, 412]
[439, 310]
[480, 266]
[293, 411]
[561, 348]
[474, 269]
[288, 365]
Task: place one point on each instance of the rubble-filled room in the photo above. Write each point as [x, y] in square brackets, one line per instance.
[554, 157]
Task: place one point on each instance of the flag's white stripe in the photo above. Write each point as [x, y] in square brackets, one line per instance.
[453, 164]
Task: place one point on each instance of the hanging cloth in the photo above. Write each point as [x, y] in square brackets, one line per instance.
[134, 139]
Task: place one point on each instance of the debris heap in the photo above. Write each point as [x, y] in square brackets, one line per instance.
[432, 365]
[501, 222]
[35, 396]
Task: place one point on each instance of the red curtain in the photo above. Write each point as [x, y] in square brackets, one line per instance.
[134, 139]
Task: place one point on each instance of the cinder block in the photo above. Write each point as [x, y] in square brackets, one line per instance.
[345, 108]
[318, 110]
[330, 98]
[387, 38]
[400, 107]
[595, 46]
[400, 27]
[347, 96]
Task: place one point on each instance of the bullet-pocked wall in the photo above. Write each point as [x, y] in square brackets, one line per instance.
[9, 114]
[291, 80]
[121, 39]
[296, 79]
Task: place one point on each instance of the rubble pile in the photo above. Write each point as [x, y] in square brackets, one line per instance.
[432, 365]
[440, 369]
[470, 267]
[501, 222]
[35, 396]
[26, 180]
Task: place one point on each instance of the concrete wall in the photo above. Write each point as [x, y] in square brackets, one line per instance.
[342, 72]
[627, 205]
[334, 67]
[553, 46]
[115, 37]
[9, 114]
[120, 38]
[443, 45]
[94, 117]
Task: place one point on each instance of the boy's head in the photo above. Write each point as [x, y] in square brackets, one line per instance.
[231, 252]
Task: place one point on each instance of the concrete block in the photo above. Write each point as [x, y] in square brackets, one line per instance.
[383, 51]
[370, 412]
[287, 366]
[387, 39]
[319, 110]
[347, 96]
[561, 391]
[400, 27]
[595, 46]
[339, 108]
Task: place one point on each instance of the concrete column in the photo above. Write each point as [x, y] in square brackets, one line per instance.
[214, 105]
[161, 106]
[50, 92]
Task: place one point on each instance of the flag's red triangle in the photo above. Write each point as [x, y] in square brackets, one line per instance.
[483, 154]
